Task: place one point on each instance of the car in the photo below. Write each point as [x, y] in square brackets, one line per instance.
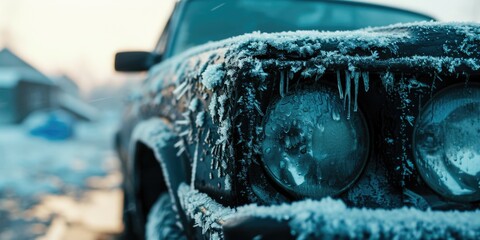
[308, 119]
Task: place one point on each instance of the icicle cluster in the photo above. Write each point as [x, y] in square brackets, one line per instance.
[346, 94]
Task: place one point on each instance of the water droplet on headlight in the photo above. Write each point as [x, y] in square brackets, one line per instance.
[335, 115]
[446, 143]
[312, 140]
[268, 150]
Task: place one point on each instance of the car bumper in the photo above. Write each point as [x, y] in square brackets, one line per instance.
[325, 219]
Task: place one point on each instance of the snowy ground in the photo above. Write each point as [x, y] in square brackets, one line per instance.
[60, 189]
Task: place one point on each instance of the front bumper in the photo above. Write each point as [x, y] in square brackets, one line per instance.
[324, 219]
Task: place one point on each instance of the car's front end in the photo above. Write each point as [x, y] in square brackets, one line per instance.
[381, 119]
[369, 133]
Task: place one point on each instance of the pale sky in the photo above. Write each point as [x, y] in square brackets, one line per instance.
[443, 10]
[80, 37]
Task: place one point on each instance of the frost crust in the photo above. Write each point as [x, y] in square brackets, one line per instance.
[332, 219]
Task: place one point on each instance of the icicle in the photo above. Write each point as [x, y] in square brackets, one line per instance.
[433, 87]
[286, 83]
[467, 78]
[282, 80]
[217, 163]
[366, 81]
[182, 122]
[194, 104]
[228, 183]
[194, 166]
[356, 78]
[388, 81]
[184, 133]
[439, 78]
[200, 119]
[319, 72]
[178, 144]
[180, 90]
[339, 84]
[207, 137]
[224, 165]
[347, 93]
[180, 151]
[212, 163]
[335, 114]
[410, 119]
[257, 107]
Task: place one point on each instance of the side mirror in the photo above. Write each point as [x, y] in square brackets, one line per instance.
[135, 61]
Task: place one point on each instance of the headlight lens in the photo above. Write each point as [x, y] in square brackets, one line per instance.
[310, 148]
[447, 143]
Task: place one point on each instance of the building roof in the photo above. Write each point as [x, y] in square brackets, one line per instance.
[14, 69]
[66, 84]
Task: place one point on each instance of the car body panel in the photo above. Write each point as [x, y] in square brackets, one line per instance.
[214, 98]
[255, 62]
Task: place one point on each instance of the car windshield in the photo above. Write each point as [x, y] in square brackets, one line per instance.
[211, 20]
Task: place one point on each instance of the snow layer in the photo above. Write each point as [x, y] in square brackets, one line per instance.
[213, 76]
[332, 219]
[154, 132]
[33, 166]
[207, 214]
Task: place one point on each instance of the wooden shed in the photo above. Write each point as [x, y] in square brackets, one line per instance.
[24, 89]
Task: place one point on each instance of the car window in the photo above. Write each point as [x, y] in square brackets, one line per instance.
[162, 42]
[203, 21]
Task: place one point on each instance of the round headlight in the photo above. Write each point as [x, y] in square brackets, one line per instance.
[446, 143]
[310, 148]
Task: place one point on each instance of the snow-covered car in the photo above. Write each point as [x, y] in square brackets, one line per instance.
[303, 120]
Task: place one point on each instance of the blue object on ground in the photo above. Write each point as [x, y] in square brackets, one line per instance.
[57, 126]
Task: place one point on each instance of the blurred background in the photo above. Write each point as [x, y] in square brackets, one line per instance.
[60, 104]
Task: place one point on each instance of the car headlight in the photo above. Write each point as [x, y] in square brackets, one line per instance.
[446, 143]
[310, 148]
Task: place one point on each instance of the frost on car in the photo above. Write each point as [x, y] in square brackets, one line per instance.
[369, 133]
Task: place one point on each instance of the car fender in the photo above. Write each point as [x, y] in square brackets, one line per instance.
[158, 135]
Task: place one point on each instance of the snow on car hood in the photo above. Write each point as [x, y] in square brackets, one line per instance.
[459, 45]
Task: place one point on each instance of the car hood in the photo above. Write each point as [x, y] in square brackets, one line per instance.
[435, 46]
